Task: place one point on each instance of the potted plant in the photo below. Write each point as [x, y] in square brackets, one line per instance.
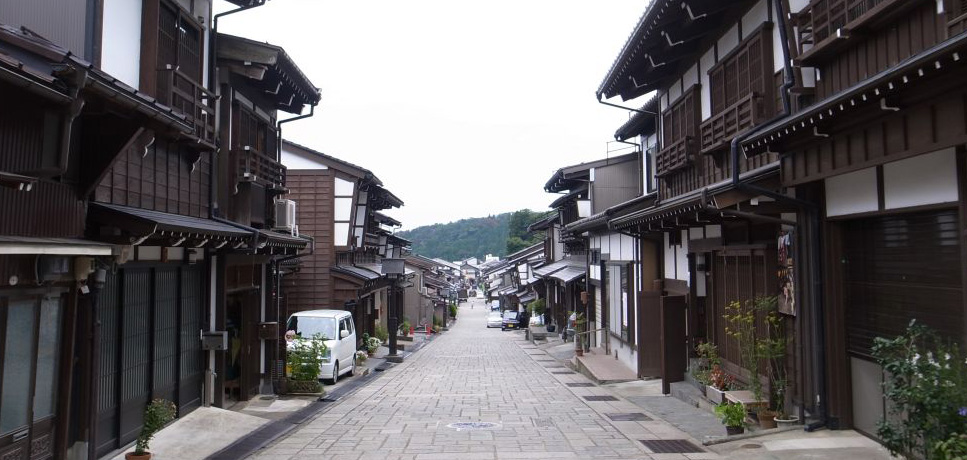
[579, 325]
[701, 370]
[157, 414]
[732, 416]
[361, 357]
[372, 344]
[772, 348]
[742, 323]
[719, 382]
[303, 358]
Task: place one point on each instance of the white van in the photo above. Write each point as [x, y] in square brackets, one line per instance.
[340, 333]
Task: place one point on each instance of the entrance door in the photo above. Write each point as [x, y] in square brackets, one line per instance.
[148, 347]
[242, 371]
[29, 352]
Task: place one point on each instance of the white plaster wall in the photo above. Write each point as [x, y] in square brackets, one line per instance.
[294, 160]
[627, 247]
[852, 193]
[121, 40]
[669, 258]
[691, 77]
[674, 92]
[797, 5]
[597, 315]
[778, 60]
[343, 187]
[707, 61]
[921, 180]
[729, 41]
[696, 233]
[682, 258]
[713, 231]
[626, 354]
[595, 271]
[753, 18]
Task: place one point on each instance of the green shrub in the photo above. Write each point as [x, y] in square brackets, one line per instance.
[304, 355]
[156, 415]
[537, 307]
[382, 334]
[405, 327]
[954, 448]
[925, 384]
[453, 311]
[731, 414]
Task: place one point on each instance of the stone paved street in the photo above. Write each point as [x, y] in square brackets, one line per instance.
[476, 374]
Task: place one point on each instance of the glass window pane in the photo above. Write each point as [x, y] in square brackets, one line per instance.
[48, 347]
[343, 210]
[18, 355]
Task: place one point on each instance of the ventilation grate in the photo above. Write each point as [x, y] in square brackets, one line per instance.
[580, 384]
[562, 372]
[671, 446]
[600, 398]
[629, 417]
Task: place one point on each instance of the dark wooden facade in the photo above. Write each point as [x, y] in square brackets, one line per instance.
[881, 154]
[312, 287]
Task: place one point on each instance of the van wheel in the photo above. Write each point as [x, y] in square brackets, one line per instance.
[335, 373]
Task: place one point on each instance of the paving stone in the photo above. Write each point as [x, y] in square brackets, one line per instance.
[473, 374]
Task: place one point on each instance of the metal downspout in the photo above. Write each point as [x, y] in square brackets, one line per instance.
[813, 225]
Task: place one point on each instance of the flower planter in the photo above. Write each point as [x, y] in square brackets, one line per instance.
[134, 456]
[302, 386]
[714, 394]
[734, 430]
[767, 419]
[790, 420]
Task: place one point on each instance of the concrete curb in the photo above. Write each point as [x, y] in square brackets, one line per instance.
[750, 435]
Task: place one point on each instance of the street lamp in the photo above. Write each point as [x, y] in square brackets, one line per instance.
[394, 269]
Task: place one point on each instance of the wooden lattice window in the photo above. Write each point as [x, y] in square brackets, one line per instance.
[679, 132]
[179, 41]
[742, 72]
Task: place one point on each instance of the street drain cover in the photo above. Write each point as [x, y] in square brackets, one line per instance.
[600, 398]
[629, 417]
[580, 384]
[460, 426]
[562, 372]
[671, 446]
[751, 446]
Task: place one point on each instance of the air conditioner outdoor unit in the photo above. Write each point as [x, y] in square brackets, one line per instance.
[285, 216]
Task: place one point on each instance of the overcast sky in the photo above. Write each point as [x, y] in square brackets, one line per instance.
[462, 108]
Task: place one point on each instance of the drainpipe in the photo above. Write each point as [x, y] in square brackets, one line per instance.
[278, 291]
[812, 226]
[77, 80]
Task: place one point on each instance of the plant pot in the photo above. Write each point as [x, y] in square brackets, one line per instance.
[767, 419]
[734, 430]
[302, 386]
[551, 328]
[134, 456]
[790, 420]
[714, 394]
[579, 352]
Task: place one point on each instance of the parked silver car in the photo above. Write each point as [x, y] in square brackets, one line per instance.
[494, 319]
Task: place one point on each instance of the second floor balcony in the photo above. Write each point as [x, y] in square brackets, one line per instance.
[191, 99]
[255, 166]
[719, 130]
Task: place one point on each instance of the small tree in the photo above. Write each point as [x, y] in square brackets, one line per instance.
[156, 415]
[304, 356]
[754, 347]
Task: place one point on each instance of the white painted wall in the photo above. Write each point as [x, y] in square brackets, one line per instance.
[674, 92]
[797, 5]
[294, 160]
[753, 18]
[713, 231]
[676, 259]
[121, 40]
[682, 257]
[691, 77]
[729, 41]
[778, 60]
[921, 180]
[707, 61]
[852, 193]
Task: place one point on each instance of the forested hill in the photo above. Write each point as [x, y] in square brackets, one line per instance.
[464, 238]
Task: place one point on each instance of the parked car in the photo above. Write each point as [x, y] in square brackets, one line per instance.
[510, 320]
[339, 333]
[495, 319]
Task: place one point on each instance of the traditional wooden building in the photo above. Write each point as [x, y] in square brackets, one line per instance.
[114, 126]
[256, 81]
[718, 70]
[878, 159]
[339, 203]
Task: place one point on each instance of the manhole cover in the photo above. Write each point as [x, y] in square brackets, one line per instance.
[751, 446]
[544, 422]
[600, 398]
[460, 426]
[629, 417]
[671, 446]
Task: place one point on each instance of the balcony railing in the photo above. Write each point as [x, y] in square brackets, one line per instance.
[255, 166]
[719, 130]
[826, 23]
[188, 97]
[676, 156]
